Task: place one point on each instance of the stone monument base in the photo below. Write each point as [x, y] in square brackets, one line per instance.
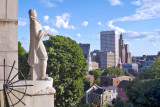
[41, 94]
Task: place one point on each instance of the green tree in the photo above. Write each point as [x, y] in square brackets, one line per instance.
[145, 89]
[86, 80]
[127, 74]
[153, 72]
[21, 50]
[144, 93]
[22, 60]
[122, 103]
[66, 64]
[86, 105]
[110, 71]
[96, 74]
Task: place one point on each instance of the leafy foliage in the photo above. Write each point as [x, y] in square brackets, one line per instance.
[22, 59]
[21, 50]
[144, 93]
[86, 105]
[86, 80]
[96, 74]
[66, 64]
[122, 103]
[145, 89]
[115, 71]
[127, 74]
[153, 72]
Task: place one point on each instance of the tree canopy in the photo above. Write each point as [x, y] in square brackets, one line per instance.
[115, 71]
[22, 59]
[21, 50]
[144, 91]
[96, 74]
[66, 64]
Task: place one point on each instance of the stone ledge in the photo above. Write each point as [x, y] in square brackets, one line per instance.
[40, 87]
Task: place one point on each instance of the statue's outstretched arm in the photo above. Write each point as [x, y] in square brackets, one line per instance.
[48, 34]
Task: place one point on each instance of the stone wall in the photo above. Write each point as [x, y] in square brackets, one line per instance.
[8, 34]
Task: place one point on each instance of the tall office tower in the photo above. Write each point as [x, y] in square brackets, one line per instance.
[86, 52]
[128, 54]
[109, 42]
[122, 52]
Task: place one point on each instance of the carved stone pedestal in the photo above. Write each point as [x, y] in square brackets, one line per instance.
[41, 94]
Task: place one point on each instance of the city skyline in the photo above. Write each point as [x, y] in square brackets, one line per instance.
[83, 21]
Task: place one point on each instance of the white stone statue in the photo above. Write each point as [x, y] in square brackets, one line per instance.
[37, 58]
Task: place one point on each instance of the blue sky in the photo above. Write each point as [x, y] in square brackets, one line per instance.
[82, 20]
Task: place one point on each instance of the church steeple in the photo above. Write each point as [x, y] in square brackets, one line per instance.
[121, 36]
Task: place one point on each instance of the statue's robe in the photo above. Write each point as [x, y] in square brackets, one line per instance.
[37, 50]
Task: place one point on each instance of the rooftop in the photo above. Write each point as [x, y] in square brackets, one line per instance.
[123, 84]
[99, 91]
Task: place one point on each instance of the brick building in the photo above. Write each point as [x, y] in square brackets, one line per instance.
[112, 80]
[121, 90]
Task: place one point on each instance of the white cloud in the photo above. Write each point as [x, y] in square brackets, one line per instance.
[99, 23]
[141, 35]
[22, 21]
[63, 21]
[46, 18]
[137, 3]
[78, 35]
[148, 9]
[48, 3]
[85, 23]
[50, 30]
[120, 30]
[115, 2]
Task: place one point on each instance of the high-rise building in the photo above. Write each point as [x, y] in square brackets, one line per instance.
[128, 56]
[122, 51]
[105, 59]
[109, 42]
[86, 52]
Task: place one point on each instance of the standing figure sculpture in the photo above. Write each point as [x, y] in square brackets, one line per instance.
[37, 58]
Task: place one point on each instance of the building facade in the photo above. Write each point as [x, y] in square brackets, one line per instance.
[124, 53]
[86, 52]
[101, 97]
[105, 59]
[130, 67]
[112, 80]
[128, 57]
[121, 90]
[109, 42]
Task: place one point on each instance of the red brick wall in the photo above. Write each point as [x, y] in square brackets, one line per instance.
[122, 94]
[91, 78]
[115, 81]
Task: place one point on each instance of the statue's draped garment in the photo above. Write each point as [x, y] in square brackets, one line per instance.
[37, 50]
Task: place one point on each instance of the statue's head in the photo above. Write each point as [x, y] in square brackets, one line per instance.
[32, 13]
